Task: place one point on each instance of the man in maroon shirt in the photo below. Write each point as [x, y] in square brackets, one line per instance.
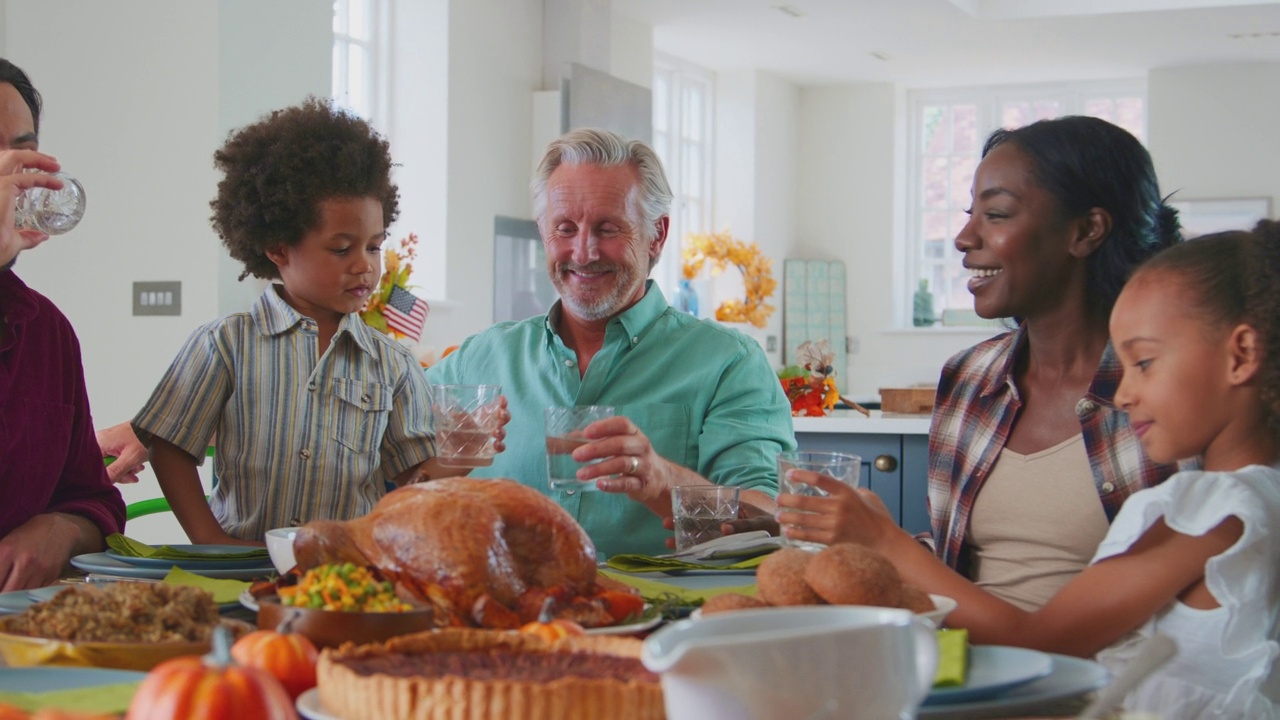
[56, 500]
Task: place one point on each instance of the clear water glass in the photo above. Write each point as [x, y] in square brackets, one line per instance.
[52, 212]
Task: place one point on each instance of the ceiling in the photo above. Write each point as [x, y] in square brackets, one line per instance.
[938, 43]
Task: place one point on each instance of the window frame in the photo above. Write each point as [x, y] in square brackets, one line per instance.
[377, 73]
[680, 75]
[989, 102]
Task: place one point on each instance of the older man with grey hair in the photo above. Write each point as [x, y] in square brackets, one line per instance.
[696, 403]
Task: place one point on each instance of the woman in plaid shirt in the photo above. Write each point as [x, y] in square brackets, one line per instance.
[1029, 458]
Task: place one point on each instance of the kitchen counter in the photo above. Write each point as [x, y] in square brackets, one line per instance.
[852, 421]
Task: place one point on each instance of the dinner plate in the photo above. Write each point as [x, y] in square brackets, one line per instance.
[198, 564]
[649, 619]
[1070, 678]
[15, 602]
[310, 707]
[45, 593]
[44, 679]
[992, 670]
[105, 564]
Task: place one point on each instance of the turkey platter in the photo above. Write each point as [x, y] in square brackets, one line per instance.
[481, 553]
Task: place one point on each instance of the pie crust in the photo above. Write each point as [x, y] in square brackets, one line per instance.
[355, 695]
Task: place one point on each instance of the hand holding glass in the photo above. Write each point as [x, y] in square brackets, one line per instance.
[565, 426]
[465, 418]
[700, 510]
[52, 212]
[842, 466]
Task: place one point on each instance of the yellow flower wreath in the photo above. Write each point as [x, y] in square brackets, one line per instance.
[721, 250]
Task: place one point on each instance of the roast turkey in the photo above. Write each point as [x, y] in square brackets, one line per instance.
[464, 544]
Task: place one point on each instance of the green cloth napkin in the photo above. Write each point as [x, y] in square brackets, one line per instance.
[224, 591]
[646, 563]
[953, 658]
[96, 699]
[128, 547]
[655, 591]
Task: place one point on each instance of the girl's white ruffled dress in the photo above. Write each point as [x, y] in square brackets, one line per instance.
[1226, 663]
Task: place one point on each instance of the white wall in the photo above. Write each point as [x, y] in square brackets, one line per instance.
[757, 167]
[138, 95]
[495, 65]
[847, 212]
[1212, 131]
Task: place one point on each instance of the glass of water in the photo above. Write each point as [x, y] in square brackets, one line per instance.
[845, 467]
[565, 426]
[52, 212]
[699, 511]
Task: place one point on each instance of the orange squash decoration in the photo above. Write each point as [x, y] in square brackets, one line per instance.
[288, 656]
[551, 628]
[210, 688]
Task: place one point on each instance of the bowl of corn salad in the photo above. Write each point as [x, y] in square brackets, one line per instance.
[337, 603]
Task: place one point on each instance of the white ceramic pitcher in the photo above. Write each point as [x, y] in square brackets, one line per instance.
[806, 663]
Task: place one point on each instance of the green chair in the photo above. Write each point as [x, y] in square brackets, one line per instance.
[152, 506]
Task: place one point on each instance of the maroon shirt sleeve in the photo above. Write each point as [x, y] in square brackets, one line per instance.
[49, 457]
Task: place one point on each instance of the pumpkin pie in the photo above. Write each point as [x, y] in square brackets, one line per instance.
[484, 675]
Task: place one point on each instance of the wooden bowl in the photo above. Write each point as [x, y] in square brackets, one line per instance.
[24, 650]
[331, 628]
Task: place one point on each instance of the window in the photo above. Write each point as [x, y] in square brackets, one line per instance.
[683, 100]
[358, 57]
[945, 134]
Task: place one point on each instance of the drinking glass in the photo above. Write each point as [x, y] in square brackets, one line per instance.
[700, 510]
[52, 212]
[565, 426]
[845, 467]
[465, 418]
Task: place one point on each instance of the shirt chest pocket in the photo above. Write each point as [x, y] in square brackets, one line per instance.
[360, 413]
[667, 427]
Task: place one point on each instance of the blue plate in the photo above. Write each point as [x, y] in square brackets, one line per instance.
[104, 564]
[994, 669]
[196, 564]
[1070, 678]
[44, 679]
[14, 602]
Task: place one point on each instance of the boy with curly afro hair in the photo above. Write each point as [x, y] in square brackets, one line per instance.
[313, 409]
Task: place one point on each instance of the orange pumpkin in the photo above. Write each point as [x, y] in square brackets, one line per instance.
[289, 657]
[551, 628]
[210, 688]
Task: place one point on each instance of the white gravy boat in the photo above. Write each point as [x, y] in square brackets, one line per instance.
[805, 663]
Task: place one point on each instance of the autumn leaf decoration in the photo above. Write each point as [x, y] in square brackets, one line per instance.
[397, 266]
[722, 250]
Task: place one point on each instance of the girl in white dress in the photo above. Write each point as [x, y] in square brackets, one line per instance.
[1196, 558]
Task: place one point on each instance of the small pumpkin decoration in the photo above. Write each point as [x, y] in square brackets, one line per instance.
[551, 628]
[213, 687]
[288, 656]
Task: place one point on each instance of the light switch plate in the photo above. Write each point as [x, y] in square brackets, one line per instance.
[157, 298]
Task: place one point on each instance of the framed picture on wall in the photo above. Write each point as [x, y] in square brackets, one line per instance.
[1200, 217]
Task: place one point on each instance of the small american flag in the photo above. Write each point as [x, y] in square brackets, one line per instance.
[405, 312]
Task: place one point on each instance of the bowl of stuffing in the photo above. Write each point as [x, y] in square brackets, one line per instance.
[125, 625]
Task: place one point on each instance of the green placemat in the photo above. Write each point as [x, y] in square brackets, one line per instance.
[953, 658]
[646, 563]
[97, 699]
[128, 547]
[224, 591]
[656, 591]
